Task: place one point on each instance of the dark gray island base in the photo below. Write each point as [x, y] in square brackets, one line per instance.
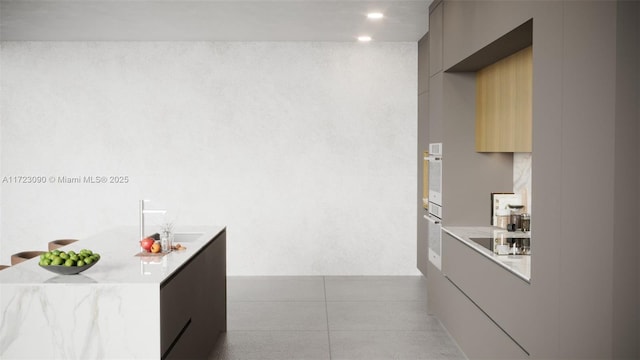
[193, 303]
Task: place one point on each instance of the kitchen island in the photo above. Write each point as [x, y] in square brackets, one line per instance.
[125, 307]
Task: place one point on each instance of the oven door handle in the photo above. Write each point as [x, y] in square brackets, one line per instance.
[433, 220]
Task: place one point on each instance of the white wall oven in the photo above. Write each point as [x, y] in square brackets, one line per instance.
[435, 204]
[435, 173]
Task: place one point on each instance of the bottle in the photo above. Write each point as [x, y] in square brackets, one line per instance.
[164, 242]
[526, 222]
[502, 218]
[166, 238]
[516, 216]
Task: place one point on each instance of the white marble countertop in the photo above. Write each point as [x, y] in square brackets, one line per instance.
[118, 263]
[520, 265]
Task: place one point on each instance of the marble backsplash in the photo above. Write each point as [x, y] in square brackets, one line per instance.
[522, 177]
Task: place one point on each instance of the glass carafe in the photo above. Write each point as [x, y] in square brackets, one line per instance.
[515, 216]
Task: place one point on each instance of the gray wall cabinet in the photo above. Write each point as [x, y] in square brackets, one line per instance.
[435, 40]
[436, 112]
[435, 73]
[423, 64]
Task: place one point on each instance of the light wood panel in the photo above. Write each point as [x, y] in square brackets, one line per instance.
[503, 104]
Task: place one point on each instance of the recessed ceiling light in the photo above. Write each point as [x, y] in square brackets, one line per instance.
[364, 38]
[375, 15]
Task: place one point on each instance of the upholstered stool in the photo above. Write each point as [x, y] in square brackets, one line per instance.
[60, 243]
[24, 256]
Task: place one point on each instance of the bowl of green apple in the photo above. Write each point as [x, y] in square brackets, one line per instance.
[68, 262]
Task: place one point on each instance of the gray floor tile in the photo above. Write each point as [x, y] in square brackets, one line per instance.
[376, 288]
[271, 345]
[276, 316]
[383, 315]
[374, 318]
[382, 345]
[275, 288]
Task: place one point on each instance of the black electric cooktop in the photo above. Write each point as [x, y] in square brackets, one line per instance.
[484, 242]
[487, 242]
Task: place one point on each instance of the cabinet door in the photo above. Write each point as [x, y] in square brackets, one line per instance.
[423, 145]
[504, 93]
[423, 244]
[500, 294]
[210, 293]
[478, 336]
[435, 109]
[423, 64]
[435, 40]
[183, 349]
[176, 313]
[193, 304]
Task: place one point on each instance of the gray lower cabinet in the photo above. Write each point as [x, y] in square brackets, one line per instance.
[193, 304]
[423, 243]
[478, 303]
[478, 336]
[423, 145]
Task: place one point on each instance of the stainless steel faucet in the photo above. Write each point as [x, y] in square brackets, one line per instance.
[142, 212]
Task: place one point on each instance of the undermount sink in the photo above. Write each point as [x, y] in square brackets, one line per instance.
[186, 237]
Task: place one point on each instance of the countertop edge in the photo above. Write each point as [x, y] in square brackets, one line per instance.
[484, 253]
[118, 263]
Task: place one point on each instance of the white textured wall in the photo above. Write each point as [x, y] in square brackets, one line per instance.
[304, 150]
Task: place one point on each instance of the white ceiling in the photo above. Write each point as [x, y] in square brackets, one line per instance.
[211, 20]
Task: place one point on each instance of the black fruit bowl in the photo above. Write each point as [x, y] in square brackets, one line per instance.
[67, 270]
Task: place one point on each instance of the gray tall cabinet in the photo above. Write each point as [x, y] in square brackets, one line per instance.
[423, 145]
[583, 297]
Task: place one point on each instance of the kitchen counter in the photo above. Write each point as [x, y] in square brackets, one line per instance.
[117, 264]
[112, 310]
[520, 265]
